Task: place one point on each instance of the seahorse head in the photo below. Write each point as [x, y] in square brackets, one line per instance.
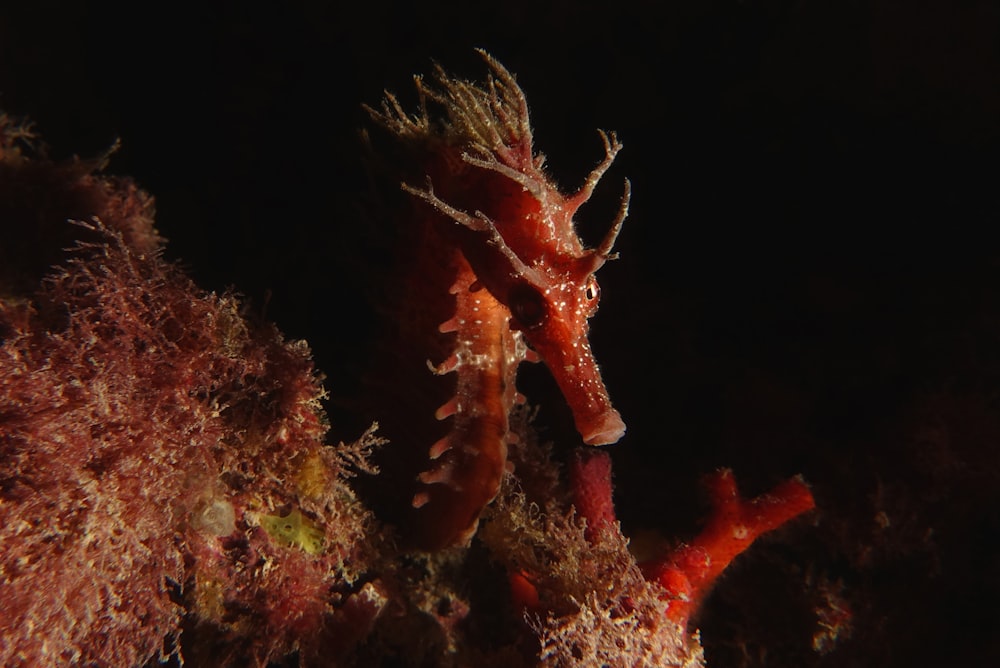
[551, 304]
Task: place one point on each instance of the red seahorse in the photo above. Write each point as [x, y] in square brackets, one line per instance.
[491, 260]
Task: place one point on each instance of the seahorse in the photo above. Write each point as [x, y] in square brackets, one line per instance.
[492, 273]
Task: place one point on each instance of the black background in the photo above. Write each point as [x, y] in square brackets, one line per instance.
[808, 263]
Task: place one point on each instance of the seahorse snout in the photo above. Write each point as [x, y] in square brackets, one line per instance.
[607, 429]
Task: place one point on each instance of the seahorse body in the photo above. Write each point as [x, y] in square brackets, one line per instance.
[493, 265]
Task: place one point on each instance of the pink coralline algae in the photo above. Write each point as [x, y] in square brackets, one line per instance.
[147, 430]
[168, 492]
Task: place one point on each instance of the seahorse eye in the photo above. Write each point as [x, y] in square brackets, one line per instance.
[527, 306]
[592, 293]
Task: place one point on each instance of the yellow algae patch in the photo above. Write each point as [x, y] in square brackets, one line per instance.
[314, 476]
[294, 530]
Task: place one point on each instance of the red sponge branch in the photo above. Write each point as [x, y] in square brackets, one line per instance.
[590, 481]
[688, 571]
